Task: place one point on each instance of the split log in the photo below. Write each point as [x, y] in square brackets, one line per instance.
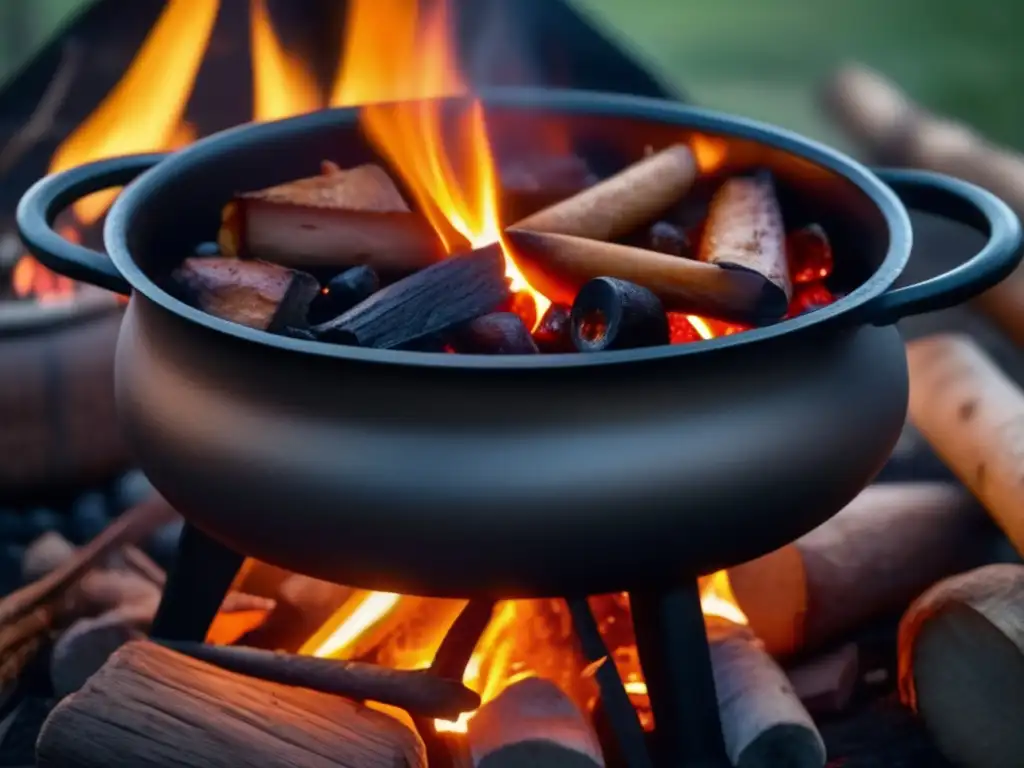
[419, 692]
[763, 722]
[972, 415]
[559, 265]
[530, 183]
[151, 707]
[499, 333]
[622, 203]
[258, 294]
[616, 314]
[341, 218]
[961, 665]
[826, 683]
[871, 559]
[894, 130]
[744, 231]
[532, 723]
[431, 301]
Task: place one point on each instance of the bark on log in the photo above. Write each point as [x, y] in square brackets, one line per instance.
[622, 203]
[763, 722]
[972, 415]
[873, 558]
[152, 707]
[532, 723]
[341, 218]
[559, 265]
[894, 130]
[961, 665]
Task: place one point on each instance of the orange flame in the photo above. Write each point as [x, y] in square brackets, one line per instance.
[144, 110]
[283, 85]
[415, 63]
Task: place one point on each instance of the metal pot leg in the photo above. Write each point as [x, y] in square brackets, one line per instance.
[673, 648]
[196, 586]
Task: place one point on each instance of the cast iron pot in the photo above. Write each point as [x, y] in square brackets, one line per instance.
[440, 474]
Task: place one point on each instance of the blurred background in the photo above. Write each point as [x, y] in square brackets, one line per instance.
[763, 58]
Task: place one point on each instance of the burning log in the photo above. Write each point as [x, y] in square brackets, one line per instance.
[616, 314]
[744, 231]
[894, 130]
[419, 692]
[340, 218]
[621, 203]
[532, 723]
[254, 293]
[973, 416]
[554, 333]
[343, 292]
[668, 238]
[559, 265]
[433, 300]
[763, 722]
[499, 333]
[533, 182]
[874, 557]
[961, 665]
[162, 708]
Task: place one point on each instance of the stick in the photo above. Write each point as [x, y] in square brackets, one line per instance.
[872, 558]
[973, 417]
[338, 219]
[961, 665]
[621, 203]
[155, 708]
[532, 724]
[437, 298]
[417, 691]
[894, 130]
[763, 721]
[559, 265]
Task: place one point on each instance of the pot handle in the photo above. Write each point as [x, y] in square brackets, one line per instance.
[967, 204]
[48, 197]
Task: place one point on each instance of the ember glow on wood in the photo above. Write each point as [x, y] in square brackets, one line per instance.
[337, 219]
[972, 414]
[961, 665]
[163, 708]
[873, 557]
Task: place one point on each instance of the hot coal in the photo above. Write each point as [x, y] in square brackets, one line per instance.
[438, 298]
[499, 333]
[554, 334]
[343, 292]
[615, 314]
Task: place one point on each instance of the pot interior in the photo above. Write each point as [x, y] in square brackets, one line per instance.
[182, 202]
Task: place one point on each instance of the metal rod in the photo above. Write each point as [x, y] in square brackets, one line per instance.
[673, 647]
[622, 718]
[196, 586]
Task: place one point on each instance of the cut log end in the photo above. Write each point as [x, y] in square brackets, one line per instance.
[961, 653]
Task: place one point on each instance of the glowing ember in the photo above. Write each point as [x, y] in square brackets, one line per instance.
[458, 193]
[709, 151]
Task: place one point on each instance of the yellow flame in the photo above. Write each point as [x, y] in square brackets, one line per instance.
[371, 610]
[717, 599]
[144, 110]
[700, 326]
[282, 84]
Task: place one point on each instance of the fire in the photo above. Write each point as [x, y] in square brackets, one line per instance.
[145, 109]
[416, 65]
[282, 84]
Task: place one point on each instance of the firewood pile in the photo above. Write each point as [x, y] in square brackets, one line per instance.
[612, 263]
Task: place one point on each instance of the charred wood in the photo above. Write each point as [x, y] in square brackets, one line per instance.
[433, 300]
[419, 692]
[343, 292]
[163, 708]
[871, 559]
[258, 294]
[499, 333]
[554, 333]
[341, 218]
[622, 203]
[615, 314]
[961, 665]
[668, 238]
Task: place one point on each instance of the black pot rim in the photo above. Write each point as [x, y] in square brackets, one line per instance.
[122, 215]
